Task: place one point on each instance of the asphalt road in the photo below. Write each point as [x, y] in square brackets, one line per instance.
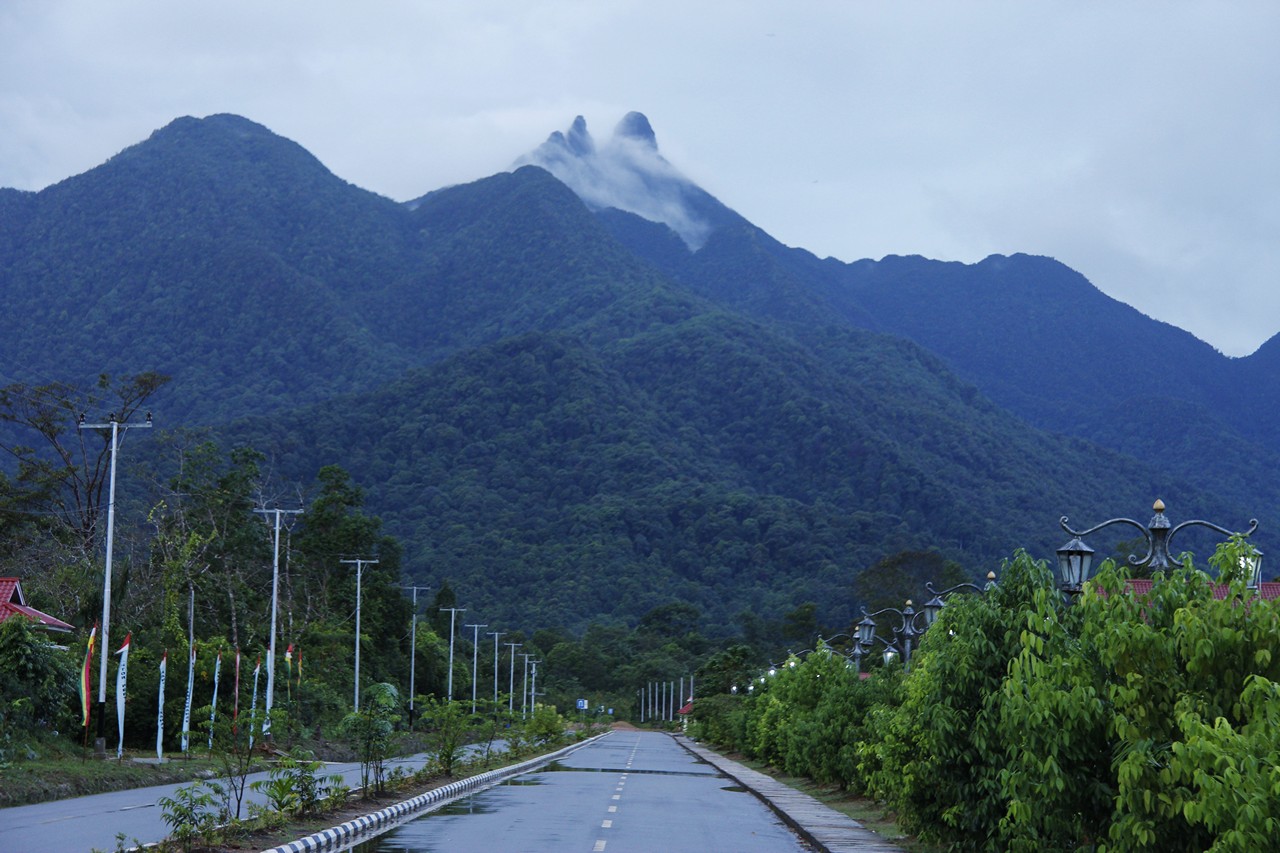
[631, 791]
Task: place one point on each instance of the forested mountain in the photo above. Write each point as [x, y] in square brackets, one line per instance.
[574, 413]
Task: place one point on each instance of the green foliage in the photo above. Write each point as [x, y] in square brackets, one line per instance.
[447, 728]
[190, 814]
[294, 786]
[545, 725]
[1119, 721]
[37, 684]
[371, 730]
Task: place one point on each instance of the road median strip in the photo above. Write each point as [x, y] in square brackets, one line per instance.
[376, 823]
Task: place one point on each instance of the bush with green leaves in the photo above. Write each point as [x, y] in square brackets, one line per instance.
[546, 726]
[371, 731]
[446, 725]
[191, 814]
[37, 683]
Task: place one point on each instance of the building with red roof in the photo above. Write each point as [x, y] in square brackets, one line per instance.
[14, 603]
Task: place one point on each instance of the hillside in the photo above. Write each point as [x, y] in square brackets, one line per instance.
[574, 413]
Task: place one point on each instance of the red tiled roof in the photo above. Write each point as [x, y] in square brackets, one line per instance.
[1267, 590]
[14, 603]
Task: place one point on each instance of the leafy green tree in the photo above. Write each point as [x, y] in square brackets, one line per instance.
[446, 727]
[938, 757]
[37, 683]
[371, 730]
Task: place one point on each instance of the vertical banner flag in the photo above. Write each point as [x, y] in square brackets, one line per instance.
[122, 675]
[235, 700]
[213, 705]
[253, 708]
[186, 710]
[299, 669]
[288, 670]
[164, 667]
[86, 688]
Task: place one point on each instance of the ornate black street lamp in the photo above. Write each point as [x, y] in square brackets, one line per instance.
[911, 623]
[1075, 558]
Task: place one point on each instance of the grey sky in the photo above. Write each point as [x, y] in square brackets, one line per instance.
[1136, 142]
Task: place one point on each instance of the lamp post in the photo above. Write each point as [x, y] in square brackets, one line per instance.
[453, 614]
[496, 635]
[100, 742]
[533, 687]
[275, 599]
[511, 687]
[413, 649]
[359, 564]
[524, 685]
[911, 625]
[1076, 558]
[475, 661]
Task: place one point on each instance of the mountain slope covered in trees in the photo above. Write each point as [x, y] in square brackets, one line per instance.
[573, 415]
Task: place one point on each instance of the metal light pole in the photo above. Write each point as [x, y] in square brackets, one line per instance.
[413, 650]
[475, 660]
[495, 635]
[275, 598]
[1075, 558]
[100, 742]
[524, 685]
[511, 687]
[533, 687]
[453, 614]
[359, 564]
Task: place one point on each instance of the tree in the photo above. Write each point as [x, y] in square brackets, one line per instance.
[67, 470]
[371, 731]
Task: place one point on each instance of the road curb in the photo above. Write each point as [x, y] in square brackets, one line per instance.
[822, 826]
[369, 825]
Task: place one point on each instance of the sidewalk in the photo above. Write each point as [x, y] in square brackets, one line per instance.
[825, 828]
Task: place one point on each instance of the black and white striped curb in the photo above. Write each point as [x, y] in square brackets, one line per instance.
[381, 821]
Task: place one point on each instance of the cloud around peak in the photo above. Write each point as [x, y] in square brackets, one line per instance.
[627, 172]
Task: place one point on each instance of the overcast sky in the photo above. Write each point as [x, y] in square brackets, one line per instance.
[1136, 142]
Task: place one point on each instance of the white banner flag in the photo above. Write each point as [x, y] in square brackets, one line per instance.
[213, 705]
[253, 708]
[186, 711]
[122, 674]
[164, 668]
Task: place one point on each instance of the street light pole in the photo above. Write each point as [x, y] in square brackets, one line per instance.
[413, 650]
[100, 742]
[359, 564]
[453, 614]
[524, 685]
[511, 687]
[475, 661]
[533, 687]
[1075, 558]
[275, 598]
[495, 635]
[911, 623]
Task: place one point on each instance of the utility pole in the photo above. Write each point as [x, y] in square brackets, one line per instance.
[100, 743]
[275, 603]
[511, 688]
[413, 648]
[475, 661]
[453, 614]
[359, 564]
[533, 687]
[524, 685]
[495, 635]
